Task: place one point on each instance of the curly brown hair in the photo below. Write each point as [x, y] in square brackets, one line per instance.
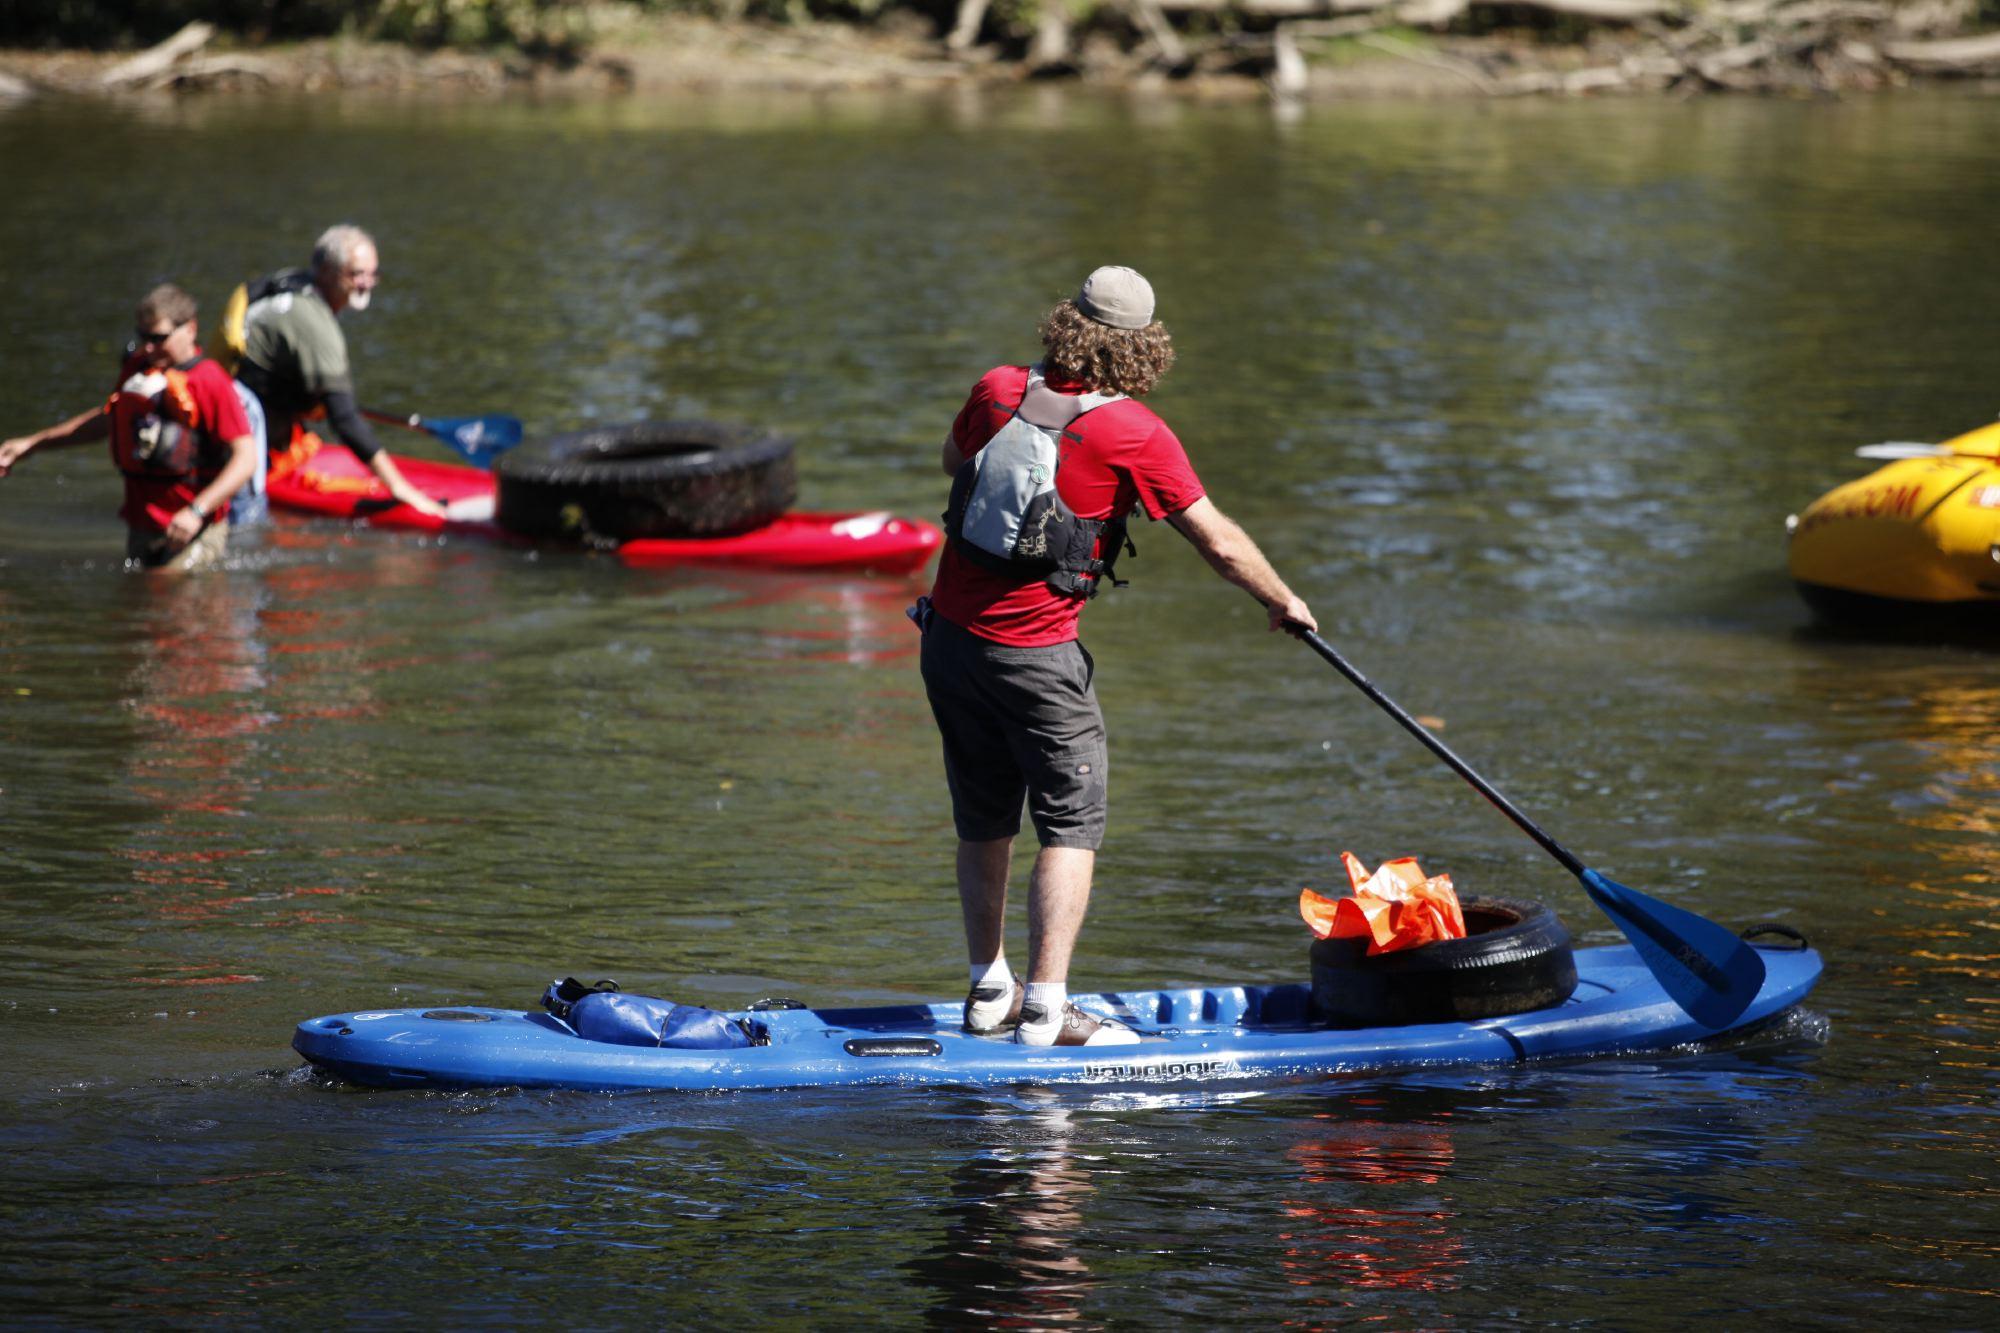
[1128, 361]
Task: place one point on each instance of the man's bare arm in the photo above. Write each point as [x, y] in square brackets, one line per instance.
[83, 428]
[1230, 552]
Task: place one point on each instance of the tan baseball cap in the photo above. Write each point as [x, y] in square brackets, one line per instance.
[1117, 296]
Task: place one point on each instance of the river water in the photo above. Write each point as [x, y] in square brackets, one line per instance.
[1517, 395]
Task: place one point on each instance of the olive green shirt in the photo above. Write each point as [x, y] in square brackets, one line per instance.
[294, 354]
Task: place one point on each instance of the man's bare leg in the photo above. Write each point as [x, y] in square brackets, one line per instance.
[1058, 896]
[982, 896]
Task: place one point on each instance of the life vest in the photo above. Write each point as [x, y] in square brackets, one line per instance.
[156, 429]
[1005, 514]
[241, 308]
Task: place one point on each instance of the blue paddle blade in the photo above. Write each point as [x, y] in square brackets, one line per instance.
[478, 440]
[1704, 968]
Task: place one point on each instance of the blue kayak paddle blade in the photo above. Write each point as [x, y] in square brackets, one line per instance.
[1703, 967]
[478, 440]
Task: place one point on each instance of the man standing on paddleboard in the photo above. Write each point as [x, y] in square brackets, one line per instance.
[1047, 461]
[294, 356]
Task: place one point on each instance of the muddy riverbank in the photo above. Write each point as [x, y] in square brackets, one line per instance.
[1289, 49]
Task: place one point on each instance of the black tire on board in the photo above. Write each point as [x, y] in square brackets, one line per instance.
[646, 479]
[1515, 957]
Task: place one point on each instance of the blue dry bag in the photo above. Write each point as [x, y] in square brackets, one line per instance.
[604, 1013]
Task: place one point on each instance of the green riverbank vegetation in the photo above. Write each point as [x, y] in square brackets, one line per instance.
[1290, 48]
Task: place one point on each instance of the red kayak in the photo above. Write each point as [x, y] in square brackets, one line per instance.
[878, 541]
[333, 483]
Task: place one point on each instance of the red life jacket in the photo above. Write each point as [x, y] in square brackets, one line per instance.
[160, 436]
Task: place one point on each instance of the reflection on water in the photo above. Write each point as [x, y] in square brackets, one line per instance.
[197, 692]
[1953, 914]
[1373, 1209]
[1012, 1251]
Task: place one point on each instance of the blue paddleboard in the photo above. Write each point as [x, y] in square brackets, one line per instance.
[1222, 1033]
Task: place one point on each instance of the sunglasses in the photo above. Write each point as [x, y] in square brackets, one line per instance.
[146, 337]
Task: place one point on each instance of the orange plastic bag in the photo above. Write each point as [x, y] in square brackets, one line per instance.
[1397, 907]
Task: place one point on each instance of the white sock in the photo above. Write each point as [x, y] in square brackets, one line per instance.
[1049, 996]
[993, 975]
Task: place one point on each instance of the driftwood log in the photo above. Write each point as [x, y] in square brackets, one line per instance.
[1967, 55]
[1620, 11]
[141, 70]
[202, 71]
[965, 30]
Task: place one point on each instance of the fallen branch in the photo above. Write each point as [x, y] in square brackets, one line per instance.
[1352, 26]
[1718, 67]
[210, 69]
[1150, 19]
[1404, 51]
[1832, 11]
[1430, 13]
[1278, 9]
[1933, 18]
[1617, 11]
[156, 59]
[1966, 55]
[1288, 73]
[1051, 50]
[965, 30]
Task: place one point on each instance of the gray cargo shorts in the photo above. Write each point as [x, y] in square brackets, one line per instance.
[1017, 723]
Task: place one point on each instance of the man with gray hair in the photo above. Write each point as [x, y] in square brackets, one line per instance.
[295, 356]
[1047, 462]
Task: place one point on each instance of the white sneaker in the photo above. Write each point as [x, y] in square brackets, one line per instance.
[1073, 1028]
[993, 1009]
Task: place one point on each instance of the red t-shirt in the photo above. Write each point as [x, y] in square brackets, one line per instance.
[1126, 456]
[151, 504]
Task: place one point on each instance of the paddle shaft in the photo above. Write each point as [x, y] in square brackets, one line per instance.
[410, 422]
[1440, 749]
[1703, 967]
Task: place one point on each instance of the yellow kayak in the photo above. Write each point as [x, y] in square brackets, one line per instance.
[1918, 538]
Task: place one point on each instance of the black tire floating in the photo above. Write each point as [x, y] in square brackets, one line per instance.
[1515, 957]
[646, 479]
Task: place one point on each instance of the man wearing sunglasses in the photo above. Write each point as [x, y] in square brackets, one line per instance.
[178, 433]
[295, 356]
